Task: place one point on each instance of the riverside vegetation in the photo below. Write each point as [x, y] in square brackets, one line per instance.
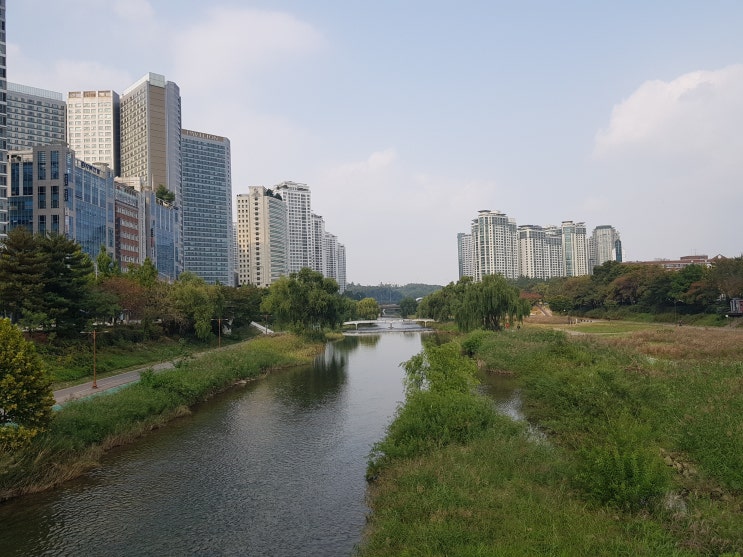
[82, 430]
[638, 448]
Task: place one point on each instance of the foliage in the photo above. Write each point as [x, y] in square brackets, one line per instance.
[620, 287]
[25, 389]
[389, 293]
[368, 308]
[21, 270]
[164, 194]
[305, 300]
[408, 307]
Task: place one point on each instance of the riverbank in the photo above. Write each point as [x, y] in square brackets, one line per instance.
[641, 453]
[83, 430]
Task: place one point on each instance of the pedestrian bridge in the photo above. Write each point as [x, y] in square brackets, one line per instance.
[389, 323]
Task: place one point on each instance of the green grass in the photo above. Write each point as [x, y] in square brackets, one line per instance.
[643, 453]
[82, 429]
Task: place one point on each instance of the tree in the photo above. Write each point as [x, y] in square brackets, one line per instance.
[194, 302]
[25, 389]
[67, 276]
[368, 308]
[164, 194]
[408, 307]
[21, 271]
[727, 275]
[491, 304]
[105, 265]
[305, 300]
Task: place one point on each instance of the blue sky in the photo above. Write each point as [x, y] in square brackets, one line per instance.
[405, 118]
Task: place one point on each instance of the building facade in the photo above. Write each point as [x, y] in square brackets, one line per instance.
[604, 245]
[53, 192]
[533, 252]
[35, 117]
[207, 207]
[495, 244]
[574, 248]
[465, 256]
[93, 127]
[262, 237]
[129, 225]
[300, 223]
[151, 150]
[3, 123]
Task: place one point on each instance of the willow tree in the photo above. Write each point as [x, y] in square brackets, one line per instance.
[490, 304]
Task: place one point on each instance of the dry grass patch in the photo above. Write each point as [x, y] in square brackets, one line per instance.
[684, 343]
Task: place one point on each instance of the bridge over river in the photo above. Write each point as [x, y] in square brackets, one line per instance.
[388, 324]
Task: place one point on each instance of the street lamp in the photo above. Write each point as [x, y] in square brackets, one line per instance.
[95, 376]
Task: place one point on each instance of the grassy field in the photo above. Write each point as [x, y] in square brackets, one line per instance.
[639, 452]
[82, 430]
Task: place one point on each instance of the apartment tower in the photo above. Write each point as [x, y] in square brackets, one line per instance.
[301, 225]
[262, 237]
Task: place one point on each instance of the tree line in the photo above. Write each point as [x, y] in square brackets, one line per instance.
[645, 288]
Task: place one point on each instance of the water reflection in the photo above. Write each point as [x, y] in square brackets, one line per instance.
[273, 468]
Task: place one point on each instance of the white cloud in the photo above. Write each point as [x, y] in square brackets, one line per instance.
[697, 114]
[232, 44]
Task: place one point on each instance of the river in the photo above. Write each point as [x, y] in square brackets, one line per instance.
[274, 468]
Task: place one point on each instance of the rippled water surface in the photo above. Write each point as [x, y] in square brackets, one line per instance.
[274, 468]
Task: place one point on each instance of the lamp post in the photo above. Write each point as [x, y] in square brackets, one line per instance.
[219, 331]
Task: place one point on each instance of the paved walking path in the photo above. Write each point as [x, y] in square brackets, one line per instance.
[86, 389]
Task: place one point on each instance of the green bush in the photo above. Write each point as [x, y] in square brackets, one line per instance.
[430, 420]
[472, 342]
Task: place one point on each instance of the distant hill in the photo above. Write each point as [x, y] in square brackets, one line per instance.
[389, 293]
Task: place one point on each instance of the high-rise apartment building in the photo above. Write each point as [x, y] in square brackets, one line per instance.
[3, 122]
[574, 248]
[604, 245]
[495, 243]
[151, 150]
[262, 237]
[93, 119]
[320, 255]
[207, 207]
[35, 117]
[465, 255]
[341, 268]
[301, 225]
[532, 251]
[554, 261]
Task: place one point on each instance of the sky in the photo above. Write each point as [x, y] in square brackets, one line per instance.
[407, 117]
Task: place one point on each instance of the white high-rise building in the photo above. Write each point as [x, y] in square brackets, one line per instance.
[151, 150]
[93, 127]
[262, 237]
[554, 262]
[495, 243]
[605, 245]
[301, 225]
[465, 255]
[574, 248]
[341, 268]
[532, 252]
[320, 256]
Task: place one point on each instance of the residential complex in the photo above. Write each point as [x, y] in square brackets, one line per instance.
[207, 207]
[278, 234]
[496, 245]
[262, 237]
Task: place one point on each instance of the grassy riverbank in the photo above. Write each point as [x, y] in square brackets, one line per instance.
[639, 452]
[82, 430]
